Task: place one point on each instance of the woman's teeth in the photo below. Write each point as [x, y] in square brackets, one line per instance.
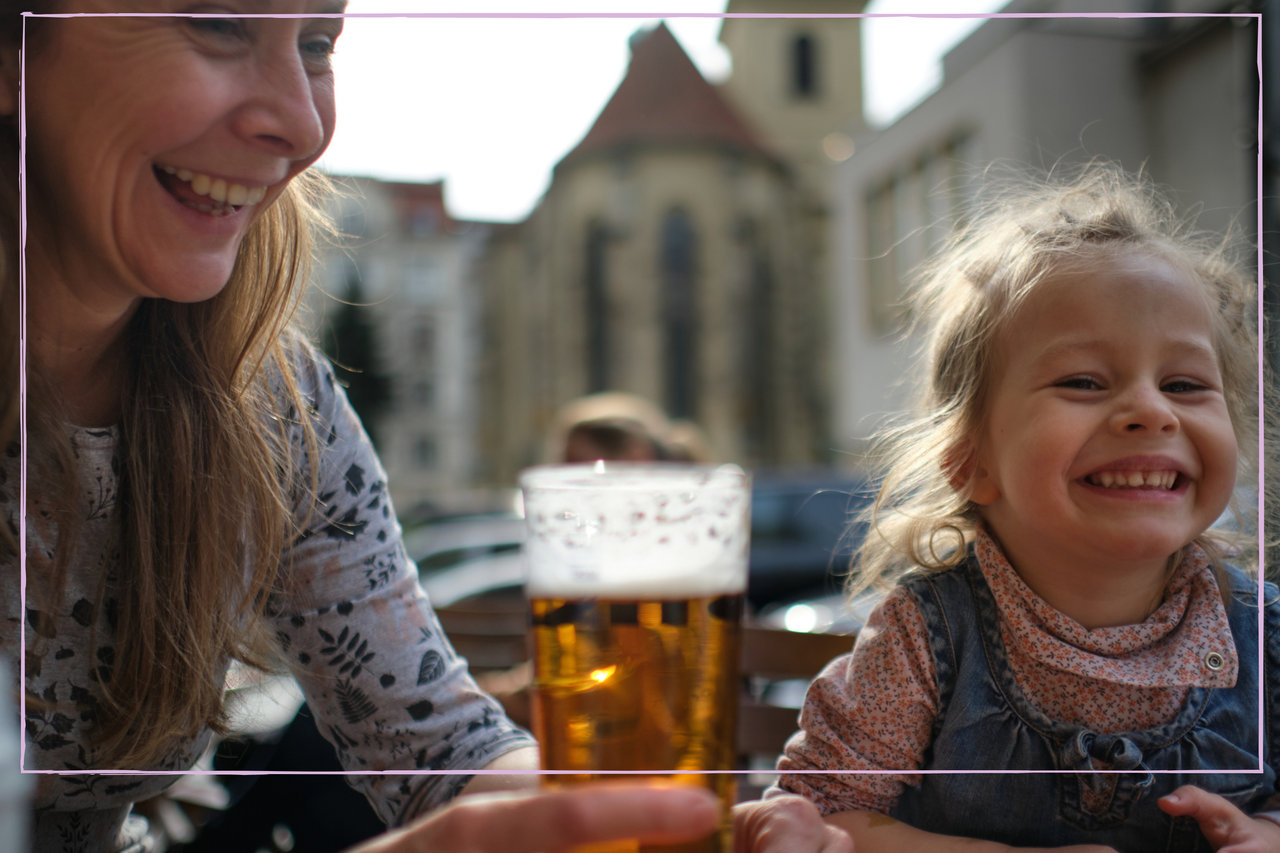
[217, 189]
[1134, 479]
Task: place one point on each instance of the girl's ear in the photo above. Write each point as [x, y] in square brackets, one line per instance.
[964, 471]
[985, 488]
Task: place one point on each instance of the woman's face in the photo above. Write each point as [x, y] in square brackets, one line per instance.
[153, 143]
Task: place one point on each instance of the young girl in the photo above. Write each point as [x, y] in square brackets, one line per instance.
[1063, 605]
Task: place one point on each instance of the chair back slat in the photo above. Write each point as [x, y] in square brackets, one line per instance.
[491, 635]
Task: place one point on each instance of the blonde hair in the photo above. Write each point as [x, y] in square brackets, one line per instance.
[208, 478]
[972, 290]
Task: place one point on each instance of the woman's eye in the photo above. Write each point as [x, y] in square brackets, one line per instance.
[230, 27]
[318, 49]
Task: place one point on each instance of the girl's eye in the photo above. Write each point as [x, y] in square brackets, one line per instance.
[1081, 383]
[1181, 386]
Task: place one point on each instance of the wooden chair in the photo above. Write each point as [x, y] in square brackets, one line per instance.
[770, 655]
[489, 631]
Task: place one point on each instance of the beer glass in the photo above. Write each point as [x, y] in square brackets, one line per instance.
[636, 583]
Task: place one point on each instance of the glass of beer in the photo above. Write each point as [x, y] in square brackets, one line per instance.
[636, 583]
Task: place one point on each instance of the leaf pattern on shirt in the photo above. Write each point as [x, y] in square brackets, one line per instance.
[353, 702]
[349, 657]
[348, 606]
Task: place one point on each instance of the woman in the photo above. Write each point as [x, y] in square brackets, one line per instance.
[198, 487]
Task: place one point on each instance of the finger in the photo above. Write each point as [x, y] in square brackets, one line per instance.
[786, 825]
[1198, 803]
[550, 821]
[1216, 816]
[838, 841]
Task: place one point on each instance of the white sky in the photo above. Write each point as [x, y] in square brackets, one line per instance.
[491, 104]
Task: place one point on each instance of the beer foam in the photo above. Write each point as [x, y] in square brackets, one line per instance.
[636, 531]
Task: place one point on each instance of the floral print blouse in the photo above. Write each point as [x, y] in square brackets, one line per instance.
[874, 709]
[349, 616]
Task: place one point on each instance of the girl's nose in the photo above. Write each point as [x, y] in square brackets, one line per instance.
[281, 112]
[1144, 410]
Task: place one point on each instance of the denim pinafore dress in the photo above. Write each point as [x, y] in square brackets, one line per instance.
[986, 723]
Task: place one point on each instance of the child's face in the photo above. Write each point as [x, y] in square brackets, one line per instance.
[1108, 437]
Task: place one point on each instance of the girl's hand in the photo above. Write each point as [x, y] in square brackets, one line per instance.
[552, 821]
[1228, 829]
[785, 825]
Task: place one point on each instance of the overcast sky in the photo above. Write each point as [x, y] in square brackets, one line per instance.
[491, 104]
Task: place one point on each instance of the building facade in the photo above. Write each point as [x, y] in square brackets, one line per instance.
[679, 252]
[416, 272]
[1173, 97]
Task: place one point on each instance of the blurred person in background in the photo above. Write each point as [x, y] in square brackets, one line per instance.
[622, 427]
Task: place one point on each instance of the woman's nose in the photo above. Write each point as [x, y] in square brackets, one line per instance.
[1146, 410]
[284, 111]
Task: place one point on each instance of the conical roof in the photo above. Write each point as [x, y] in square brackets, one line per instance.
[664, 99]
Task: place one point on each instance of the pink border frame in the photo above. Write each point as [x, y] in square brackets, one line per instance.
[22, 359]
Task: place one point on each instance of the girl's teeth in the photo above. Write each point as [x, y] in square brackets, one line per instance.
[1134, 479]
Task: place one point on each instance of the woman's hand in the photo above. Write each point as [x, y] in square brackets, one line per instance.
[785, 825]
[551, 821]
[1228, 829]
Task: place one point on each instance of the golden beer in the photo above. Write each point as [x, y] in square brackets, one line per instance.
[640, 685]
[636, 582]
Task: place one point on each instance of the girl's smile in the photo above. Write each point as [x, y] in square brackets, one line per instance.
[1108, 445]
[1139, 478]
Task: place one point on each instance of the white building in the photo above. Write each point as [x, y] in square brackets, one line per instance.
[1175, 97]
[415, 265]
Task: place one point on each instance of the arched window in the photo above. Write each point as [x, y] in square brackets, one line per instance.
[759, 388]
[804, 66]
[597, 308]
[679, 314]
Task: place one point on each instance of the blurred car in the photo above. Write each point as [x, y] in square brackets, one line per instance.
[802, 537]
[443, 543]
[803, 533]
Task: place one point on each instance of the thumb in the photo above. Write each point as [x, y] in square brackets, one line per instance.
[1196, 802]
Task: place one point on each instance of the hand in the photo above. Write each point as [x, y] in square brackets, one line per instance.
[1228, 829]
[551, 821]
[785, 825]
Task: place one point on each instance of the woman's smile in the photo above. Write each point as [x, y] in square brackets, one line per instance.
[207, 194]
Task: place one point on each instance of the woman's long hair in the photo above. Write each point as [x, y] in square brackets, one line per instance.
[207, 476]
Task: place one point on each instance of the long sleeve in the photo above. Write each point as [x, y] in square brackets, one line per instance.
[361, 638]
[869, 710]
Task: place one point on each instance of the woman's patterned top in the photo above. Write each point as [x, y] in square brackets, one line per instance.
[349, 616]
[874, 709]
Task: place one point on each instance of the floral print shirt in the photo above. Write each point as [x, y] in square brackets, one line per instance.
[349, 616]
[874, 708]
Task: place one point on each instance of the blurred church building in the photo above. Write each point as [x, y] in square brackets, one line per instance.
[680, 250]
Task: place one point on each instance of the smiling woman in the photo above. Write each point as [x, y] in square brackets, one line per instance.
[182, 509]
[198, 487]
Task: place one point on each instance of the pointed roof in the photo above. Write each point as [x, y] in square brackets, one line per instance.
[664, 99]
